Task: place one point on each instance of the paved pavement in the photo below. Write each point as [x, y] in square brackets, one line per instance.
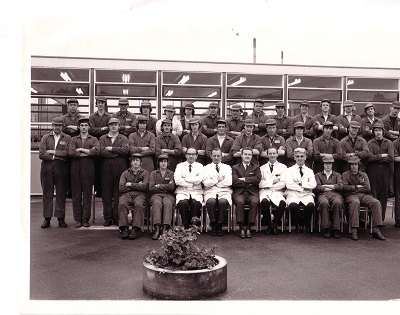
[95, 264]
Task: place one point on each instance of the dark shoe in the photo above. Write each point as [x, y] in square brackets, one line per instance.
[107, 223]
[354, 235]
[306, 229]
[248, 234]
[336, 233]
[327, 233]
[156, 234]
[268, 231]
[214, 230]
[85, 224]
[297, 229]
[219, 230]
[78, 224]
[45, 224]
[165, 228]
[134, 234]
[242, 233]
[125, 233]
[275, 230]
[61, 223]
[397, 225]
[115, 222]
[378, 235]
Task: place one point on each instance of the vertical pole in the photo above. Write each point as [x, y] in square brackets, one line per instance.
[254, 50]
[282, 57]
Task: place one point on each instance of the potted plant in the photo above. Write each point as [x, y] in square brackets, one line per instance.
[183, 270]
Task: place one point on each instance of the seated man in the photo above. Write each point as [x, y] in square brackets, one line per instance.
[245, 179]
[300, 182]
[162, 197]
[217, 190]
[328, 190]
[356, 192]
[133, 187]
[271, 190]
[189, 193]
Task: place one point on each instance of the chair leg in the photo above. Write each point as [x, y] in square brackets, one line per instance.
[93, 204]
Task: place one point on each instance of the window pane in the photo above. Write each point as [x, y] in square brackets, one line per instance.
[191, 92]
[53, 74]
[65, 89]
[125, 90]
[372, 83]
[126, 76]
[371, 96]
[254, 79]
[315, 82]
[37, 132]
[314, 95]
[199, 78]
[249, 93]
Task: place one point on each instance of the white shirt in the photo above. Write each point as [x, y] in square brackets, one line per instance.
[213, 186]
[300, 188]
[189, 183]
[269, 190]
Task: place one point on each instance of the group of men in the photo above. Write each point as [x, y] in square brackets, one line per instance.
[273, 163]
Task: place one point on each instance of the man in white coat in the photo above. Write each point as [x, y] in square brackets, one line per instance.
[300, 181]
[272, 186]
[189, 193]
[217, 190]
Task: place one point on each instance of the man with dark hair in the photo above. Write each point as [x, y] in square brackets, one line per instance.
[391, 122]
[70, 119]
[145, 109]
[345, 119]
[259, 118]
[325, 115]
[284, 124]
[209, 122]
[396, 146]
[168, 143]
[272, 140]
[356, 192]
[235, 124]
[298, 141]
[127, 119]
[220, 141]
[246, 176]
[368, 121]
[188, 114]
[133, 188]
[54, 172]
[169, 113]
[195, 139]
[306, 118]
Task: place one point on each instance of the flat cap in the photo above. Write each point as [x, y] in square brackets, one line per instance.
[348, 103]
[72, 100]
[101, 98]
[213, 104]
[326, 159]
[123, 101]
[259, 101]
[163, 157]
[142, 118]
[249, 121]
[368, 105]
[189, 105]
[354, 124]
[353, 159]
[298, 124]
[327, 124]
[83, 119]
[169, 107]
[378, 125]
[280, 104]
[396, 104]
[166, 121]
[325, 100]
[236, 107]
[270, 122]
[193, 120]
[300, 150]
[145, 103]
[113, 120]
[305, 103]
[57, 121]
[221, 121]
[135, 155]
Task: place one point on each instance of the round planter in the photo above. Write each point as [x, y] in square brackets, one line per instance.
[185, 284]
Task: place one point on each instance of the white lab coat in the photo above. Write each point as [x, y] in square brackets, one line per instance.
[189, 183]
[269, 190]
[295, 192]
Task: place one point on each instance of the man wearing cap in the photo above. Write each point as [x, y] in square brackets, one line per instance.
[188, 114]
[325, 115]
[220, 141]
[114, 148]
[209, 122]
[354, 145]
[392, 122]
[143, 142]
[259, 118]
[195, 139]
[133, 186]
[368, 121]
[70, 119]
[396, 146]
[249, 140]
[271, 139]
[246, 176]
[235, 124]
[326, 146]
[169, 113]
[217, 183]
[307, 119]
[168, 143]
[298, 141]
[127, 119]
[145, 110]
[356, 192]
[54, 172]
[162, 197]
[329, 198]
[189, 192]
[83, 149]
[272, 186]
[345, 119]
[284, 124]
[378, 168]
[300, 182]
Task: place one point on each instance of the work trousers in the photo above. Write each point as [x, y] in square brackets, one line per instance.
[82, 180]
[132, 201]
[301, 217]
[397, 192]
[379, 178]
[245, 198]
[335, 201]
[111, 170]
[216, 212]
[161, 206]
[277, 212]
[54, 174]
[354, 201]
[188, 210]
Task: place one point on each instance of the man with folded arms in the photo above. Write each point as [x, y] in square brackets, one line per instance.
[220, 141]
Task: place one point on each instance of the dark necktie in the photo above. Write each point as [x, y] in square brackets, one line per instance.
[217, 168]
[301, 171]
[190, 168]
[271, 167]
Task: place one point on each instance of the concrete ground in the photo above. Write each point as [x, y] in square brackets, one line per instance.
[95, 264]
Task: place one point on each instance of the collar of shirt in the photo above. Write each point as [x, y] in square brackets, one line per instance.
[246, 165]
[104, 114]
[299, 141]
[111, 136]
[133, 172]
[328, 174]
